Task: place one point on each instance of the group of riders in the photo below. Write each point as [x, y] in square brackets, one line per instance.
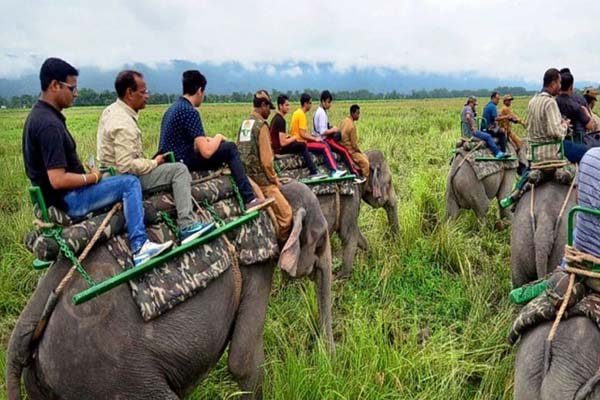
[52, 163]
[561, 125]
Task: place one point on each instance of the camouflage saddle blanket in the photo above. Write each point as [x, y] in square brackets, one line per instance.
[467, 149]
[162, 288]
[293, 166]
[583, 302]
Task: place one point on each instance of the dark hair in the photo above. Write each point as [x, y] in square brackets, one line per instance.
[126, 80]
[354, 108]
[304, 98]
[192, 81]
[563, 70]
[55, 69]
[550, 76]
[493, 95]
[326, 95]
[281, 99]
[566, 80]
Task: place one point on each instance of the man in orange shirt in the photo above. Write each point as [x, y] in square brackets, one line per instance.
[506, 123]
[299, 130]
[350, 141]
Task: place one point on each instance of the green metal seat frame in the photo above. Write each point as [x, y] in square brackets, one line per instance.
[97, 288]
[534, 146]
[329, 179]
[530, 291]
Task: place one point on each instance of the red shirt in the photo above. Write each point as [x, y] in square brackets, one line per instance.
[277, 125]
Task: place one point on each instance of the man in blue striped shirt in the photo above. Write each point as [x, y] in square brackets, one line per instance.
[587, 232]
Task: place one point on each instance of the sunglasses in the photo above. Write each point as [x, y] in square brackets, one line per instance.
[72, 88]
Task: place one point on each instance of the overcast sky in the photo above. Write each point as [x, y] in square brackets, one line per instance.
[495, 38]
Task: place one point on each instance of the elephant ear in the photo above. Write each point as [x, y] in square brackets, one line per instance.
[288, 259]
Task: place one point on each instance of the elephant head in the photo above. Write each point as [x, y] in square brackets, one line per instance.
[308, 251]
[378, 191]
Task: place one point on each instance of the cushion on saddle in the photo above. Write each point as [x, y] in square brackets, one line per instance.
[293, 166]
[164, 287]
[483, 169]
[544, 308]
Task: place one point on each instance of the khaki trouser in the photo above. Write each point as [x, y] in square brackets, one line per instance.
[515, 139]
[362, 161]
[281, 208]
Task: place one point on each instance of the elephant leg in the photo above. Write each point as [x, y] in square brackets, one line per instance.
[246, 352]
[349, 246]
[452, 207]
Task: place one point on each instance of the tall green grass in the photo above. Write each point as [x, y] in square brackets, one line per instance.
[424, 316]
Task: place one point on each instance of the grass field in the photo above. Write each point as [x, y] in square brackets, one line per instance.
[424, 316]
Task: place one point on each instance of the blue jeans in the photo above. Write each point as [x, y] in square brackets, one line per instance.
[574, 151]
[488, 139]
[108, 191]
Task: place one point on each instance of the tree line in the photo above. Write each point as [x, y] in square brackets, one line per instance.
[90, 97]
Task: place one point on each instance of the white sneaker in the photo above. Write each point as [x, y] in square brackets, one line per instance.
[337, 173]
[150, 249]
[360, 179]
[317, 176]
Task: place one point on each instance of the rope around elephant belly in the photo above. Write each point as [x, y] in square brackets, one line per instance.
[236, 274]
[565, 202]
[464, 158]
[336, 224]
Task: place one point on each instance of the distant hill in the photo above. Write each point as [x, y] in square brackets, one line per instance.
[235, 77]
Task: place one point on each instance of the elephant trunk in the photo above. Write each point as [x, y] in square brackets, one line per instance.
[322, 278]
[391, 208]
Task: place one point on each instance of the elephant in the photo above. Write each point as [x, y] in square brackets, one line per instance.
[103, 349]
[574, 367]
[378, 192]
[535, 251]
[465, 191]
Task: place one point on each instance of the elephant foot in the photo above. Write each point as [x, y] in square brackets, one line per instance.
[343, 275]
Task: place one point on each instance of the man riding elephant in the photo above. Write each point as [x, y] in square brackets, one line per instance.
[469, 127]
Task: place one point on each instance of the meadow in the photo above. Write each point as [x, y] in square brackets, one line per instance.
[425, 315]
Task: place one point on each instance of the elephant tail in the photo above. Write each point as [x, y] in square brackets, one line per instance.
[14, 366]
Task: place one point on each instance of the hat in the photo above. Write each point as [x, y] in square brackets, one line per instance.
[507, 97]
[471, 98]
[263, 95]
[591, 92]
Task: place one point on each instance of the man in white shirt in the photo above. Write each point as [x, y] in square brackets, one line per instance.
[322, 129]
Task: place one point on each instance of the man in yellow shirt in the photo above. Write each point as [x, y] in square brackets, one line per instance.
[350, 141]
[299, 130]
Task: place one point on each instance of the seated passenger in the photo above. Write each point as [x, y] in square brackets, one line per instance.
[299, 131]
[573, 108]
[282, 143]
[545, 123]
[350, 141]
[254, 143]
[491, 117]
[52, 163]
[323, 130]
[587, 228]
[120, 145]
[182, 132]
[469, 127]
[507, 118]
[591, 96]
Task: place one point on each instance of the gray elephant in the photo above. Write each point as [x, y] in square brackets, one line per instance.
[464, 190]
[573, 372]
[537, 244]
[103, 349]
[341, 209]
[378, 191]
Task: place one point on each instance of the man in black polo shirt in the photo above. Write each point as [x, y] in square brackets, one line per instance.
[282, 143]
[570, 108]
[52, 163]
[182, 132]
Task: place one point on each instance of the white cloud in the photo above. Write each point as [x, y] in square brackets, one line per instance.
[503, 39]
[293, 71]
